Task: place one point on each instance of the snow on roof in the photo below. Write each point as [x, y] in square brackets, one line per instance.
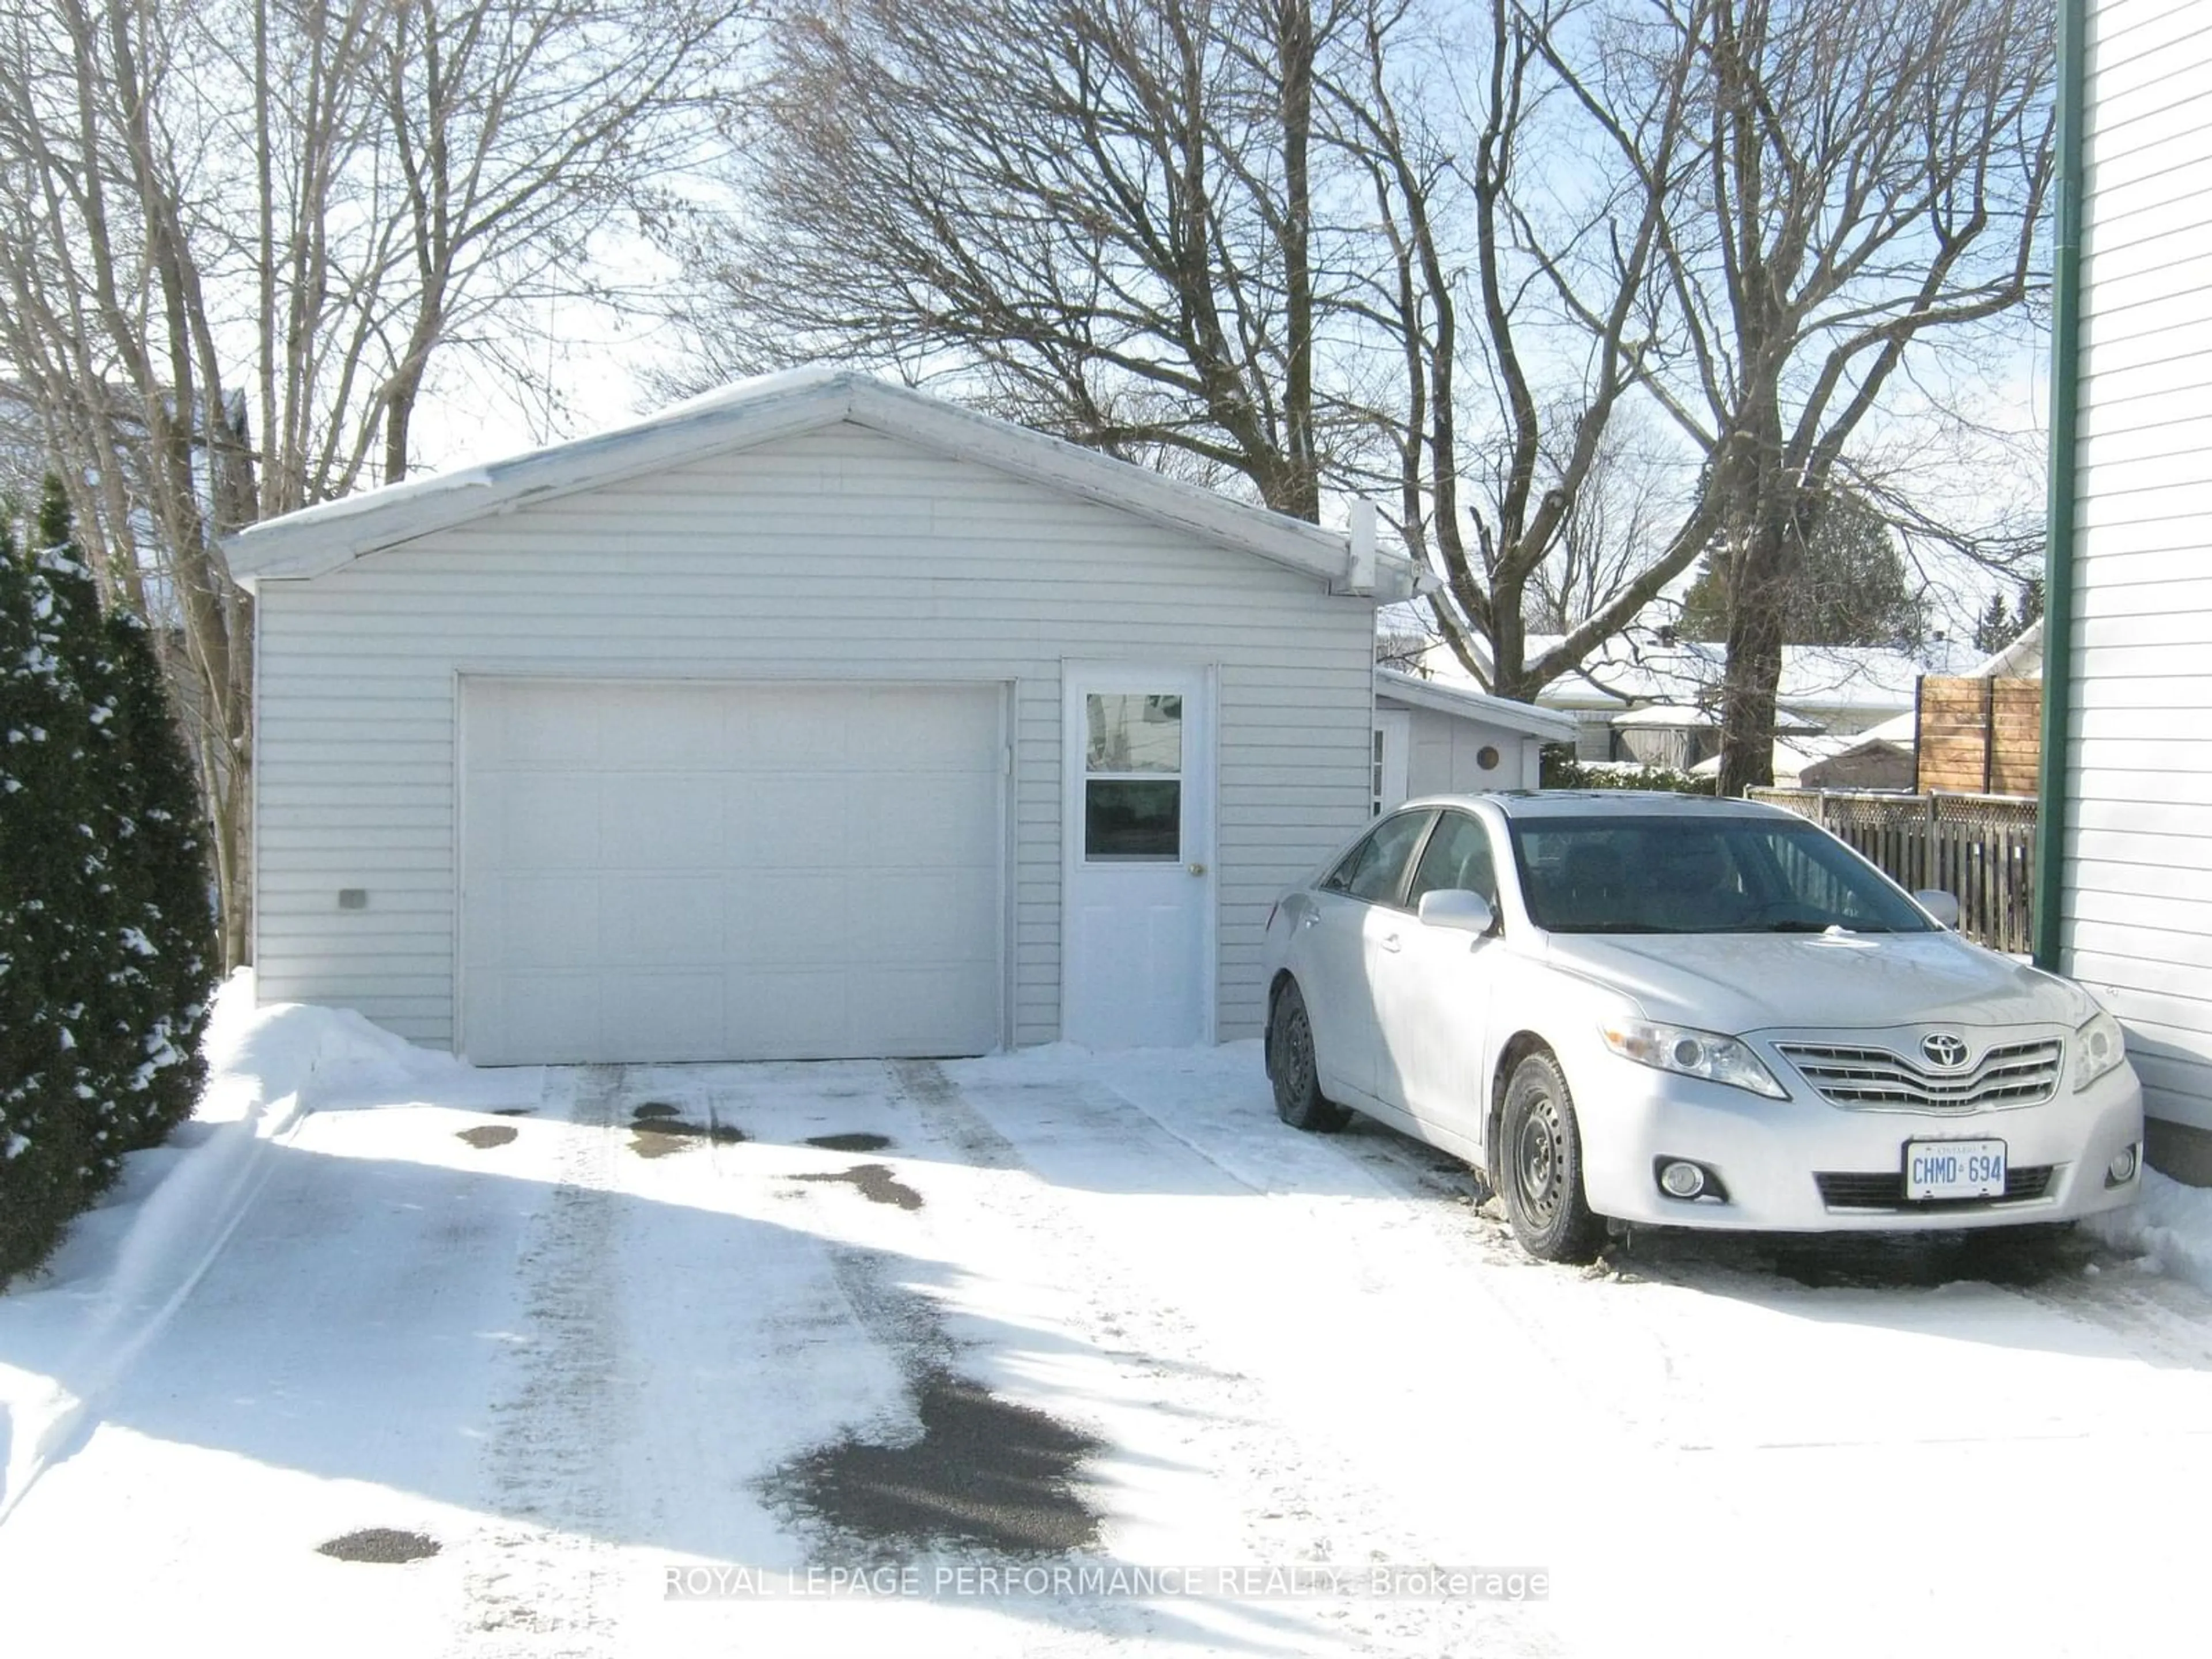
[1696, 717]
[2021, 659]
[1903, 730]
[1666, 715]
[1396, 685]
[1793, 755]
[320, 539]
[1637, 669]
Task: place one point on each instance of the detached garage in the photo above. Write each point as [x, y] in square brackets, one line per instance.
[814, 719]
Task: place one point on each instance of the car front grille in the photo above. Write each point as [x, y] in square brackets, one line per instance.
[1886, 1191]
[1869, 1078]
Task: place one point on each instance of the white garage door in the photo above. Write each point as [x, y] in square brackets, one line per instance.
[694, 871]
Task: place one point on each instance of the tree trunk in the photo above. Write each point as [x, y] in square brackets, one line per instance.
[1508, 635]
[1757, 588]
[1295, 50]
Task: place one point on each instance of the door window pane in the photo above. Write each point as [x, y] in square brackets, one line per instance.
[1132, 731]
[1457, 856]
[1129, 820]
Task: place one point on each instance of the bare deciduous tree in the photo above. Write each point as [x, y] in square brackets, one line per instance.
[1115, 218]
[1871, 181]
[234, 235]
[1502, 434]
[1467, 249]
[1242, 235]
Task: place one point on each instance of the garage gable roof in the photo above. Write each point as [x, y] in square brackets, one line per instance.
[1396, 685]
[318, 539]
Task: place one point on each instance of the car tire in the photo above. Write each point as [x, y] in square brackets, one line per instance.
[1292, 1067]
[1539, 1166]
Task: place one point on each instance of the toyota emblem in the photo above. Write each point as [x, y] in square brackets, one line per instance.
[1945, 1052]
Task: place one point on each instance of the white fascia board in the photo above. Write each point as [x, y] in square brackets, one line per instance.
[1466, 703]
[1072, 470]
[320, 539]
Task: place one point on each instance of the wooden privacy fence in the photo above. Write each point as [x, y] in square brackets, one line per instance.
[1980, 736]
[1982, 848]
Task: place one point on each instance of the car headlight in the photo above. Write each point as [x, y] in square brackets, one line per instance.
[2098, 1047]
[1693, 1054]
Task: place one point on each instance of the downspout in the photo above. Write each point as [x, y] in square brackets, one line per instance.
[2058, 547]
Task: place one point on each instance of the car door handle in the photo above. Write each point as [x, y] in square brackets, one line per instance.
[1390, 942]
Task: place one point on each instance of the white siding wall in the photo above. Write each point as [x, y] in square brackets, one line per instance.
[2138, 898]
[1443, 756]
[839, 555]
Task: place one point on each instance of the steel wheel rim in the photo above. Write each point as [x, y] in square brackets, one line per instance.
[1537, 1161]
[1294, 1053]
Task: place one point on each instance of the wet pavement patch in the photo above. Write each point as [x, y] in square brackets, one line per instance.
[487, 1135]
[985, 1472]
[656, 1131]
[876, 1182]
[850, 1143]
[384, 1545]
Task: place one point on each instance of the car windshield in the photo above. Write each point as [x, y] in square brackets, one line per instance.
[1681, 874]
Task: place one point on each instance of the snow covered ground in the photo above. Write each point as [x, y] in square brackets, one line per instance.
[649, 1369]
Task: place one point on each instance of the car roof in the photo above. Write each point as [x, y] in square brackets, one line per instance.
[1533, 804]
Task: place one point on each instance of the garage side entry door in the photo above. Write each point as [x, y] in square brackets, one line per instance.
[704, 872]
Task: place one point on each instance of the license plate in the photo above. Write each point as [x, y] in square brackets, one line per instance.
[1955, 1168]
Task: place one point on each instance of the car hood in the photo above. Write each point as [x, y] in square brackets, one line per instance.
[1738, 982]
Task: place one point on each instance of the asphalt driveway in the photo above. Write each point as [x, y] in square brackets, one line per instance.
[1065, 1354]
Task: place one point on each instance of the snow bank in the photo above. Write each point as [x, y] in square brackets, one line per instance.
[295, 1054]
[70, 1331]
[2171, 1225]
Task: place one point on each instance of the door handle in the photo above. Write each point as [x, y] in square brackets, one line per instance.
[1390, 943]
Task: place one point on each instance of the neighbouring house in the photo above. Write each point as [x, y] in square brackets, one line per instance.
[1654, 700]
[2124, 879]
[2021, 660]
[813, 718]
[1884, 757]
[1880, 759]
[1681, 737]
[1433, 740]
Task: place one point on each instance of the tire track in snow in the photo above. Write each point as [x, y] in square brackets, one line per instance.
[2165, 1321]
[1574, 1339]
[1305, 1498]
[547, 1588]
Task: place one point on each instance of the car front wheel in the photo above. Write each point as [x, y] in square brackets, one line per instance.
[1299, 1099]
[1541, 1164]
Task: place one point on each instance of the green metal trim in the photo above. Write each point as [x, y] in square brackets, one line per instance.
[2059, 543]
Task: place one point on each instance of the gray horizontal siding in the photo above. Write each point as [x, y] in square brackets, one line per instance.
[2136, 906]
[839, 556]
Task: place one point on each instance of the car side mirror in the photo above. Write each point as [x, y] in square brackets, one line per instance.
[1459, 908]
[1941, 905]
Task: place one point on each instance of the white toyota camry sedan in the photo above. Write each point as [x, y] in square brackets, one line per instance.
[1678, 1012]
